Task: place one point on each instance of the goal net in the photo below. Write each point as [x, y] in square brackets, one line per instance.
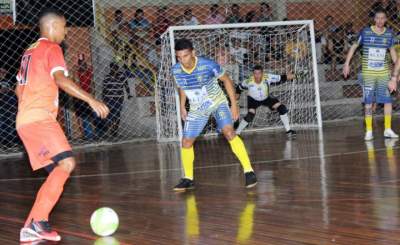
[280, 47]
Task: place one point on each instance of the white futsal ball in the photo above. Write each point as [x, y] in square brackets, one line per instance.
[104, 221]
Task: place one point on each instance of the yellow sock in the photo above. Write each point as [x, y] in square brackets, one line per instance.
[388, 121]
[368, 122]
[187, 155]
[239, 149]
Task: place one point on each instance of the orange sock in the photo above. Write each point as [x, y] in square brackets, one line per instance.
[48, 195]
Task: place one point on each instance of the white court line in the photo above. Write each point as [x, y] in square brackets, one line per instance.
[204, 167]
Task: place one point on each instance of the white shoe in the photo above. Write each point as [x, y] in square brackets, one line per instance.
[369, 135]
[390, 134]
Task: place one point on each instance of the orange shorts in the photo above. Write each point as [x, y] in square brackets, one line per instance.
[43, 141]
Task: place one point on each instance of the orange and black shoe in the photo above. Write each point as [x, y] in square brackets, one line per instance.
[38, 230]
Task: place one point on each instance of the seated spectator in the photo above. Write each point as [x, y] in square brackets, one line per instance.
[327, 33]
[162, 22]
[330, 26]
[250, 17]
[264, 13]
[234, 17]
[215, 17]
[189, 19]
[122, 37]
[337, 48]
[117, 22]
[140, 25]
[351, 36]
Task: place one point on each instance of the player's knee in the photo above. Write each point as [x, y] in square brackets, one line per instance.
[187, 143]
[282, 110]
[67, 164]
[249, 117]
[229, 133]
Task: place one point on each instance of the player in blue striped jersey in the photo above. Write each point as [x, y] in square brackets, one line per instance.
[376, 41]
[197, 80]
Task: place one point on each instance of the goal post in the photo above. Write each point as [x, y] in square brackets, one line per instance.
[279, 47]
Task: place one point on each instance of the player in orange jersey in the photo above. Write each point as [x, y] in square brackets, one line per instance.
[42, 73]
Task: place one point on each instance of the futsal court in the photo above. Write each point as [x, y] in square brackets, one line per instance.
[325, 187]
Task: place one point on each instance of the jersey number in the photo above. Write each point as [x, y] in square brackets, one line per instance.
[26, 60]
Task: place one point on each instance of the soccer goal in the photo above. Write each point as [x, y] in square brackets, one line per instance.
[280, 47]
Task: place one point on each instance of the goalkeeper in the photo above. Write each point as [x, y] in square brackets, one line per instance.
[258, 86]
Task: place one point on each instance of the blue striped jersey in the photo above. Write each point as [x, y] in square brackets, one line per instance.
[375, 55]
[200, 84]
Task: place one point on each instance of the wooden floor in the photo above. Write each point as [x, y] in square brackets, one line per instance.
[329, 188]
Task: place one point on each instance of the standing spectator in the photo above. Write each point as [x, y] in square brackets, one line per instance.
[8, 111]
[140, 73]
[234, 17]
[161, 23]
[239, 54]
[189, 19]
[140, 25]
[338, 48]
[84, 76]
[215, 17]
[113, 95]
[154, 55]
[265, 13]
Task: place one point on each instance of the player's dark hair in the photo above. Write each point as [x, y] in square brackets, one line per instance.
[138, 11]
[258, 68]
[182, 44]
[50, 11]
[118, 11]
[380, 10]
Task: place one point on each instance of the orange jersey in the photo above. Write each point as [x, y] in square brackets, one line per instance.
[37, 90]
